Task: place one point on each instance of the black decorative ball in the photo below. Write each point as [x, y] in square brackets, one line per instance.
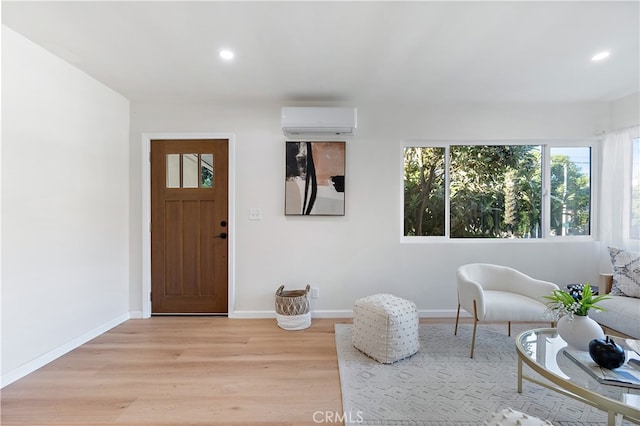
[607, 353]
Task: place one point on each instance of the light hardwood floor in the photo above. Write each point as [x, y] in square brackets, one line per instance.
[186, 370]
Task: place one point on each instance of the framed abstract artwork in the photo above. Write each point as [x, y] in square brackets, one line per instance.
[314, 181]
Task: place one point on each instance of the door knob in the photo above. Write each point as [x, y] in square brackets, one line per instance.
[222, 235]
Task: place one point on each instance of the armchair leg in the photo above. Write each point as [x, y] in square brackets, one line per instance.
[509, 328]
[475, 326]
[455, 331]
[473, 339]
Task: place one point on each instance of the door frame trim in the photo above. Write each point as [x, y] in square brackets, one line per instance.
[146, 213]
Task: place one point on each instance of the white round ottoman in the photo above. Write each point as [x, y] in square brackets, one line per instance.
[385, 327]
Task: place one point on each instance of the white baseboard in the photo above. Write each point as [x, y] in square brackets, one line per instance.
[272, 314]
[442, 313]
[135, 314]
[43, 360]
[251, 314]
[347, 313]
[332, 314]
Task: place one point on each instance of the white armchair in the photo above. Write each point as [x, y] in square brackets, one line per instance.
[499, 293]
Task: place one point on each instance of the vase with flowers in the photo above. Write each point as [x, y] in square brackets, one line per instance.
[571, 312]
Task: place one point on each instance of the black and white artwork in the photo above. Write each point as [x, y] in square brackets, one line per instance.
[314, 183]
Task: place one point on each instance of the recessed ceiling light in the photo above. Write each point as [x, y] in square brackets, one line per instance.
[600, 56]
[226, 54]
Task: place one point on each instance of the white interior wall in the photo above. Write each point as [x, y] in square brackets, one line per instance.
[361, 253]
[625, 112]
[65, 207]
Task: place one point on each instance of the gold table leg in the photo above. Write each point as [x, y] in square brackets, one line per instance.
[519, 374]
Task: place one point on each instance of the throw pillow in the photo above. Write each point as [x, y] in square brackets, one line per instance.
[626, 272]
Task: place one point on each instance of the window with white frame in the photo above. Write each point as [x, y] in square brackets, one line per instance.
[463, 191]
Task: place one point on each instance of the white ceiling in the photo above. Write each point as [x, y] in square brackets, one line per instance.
[347, 52]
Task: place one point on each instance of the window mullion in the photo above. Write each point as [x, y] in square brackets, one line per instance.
[545, 204]
[447, 192]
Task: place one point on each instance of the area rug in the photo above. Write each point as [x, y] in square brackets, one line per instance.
[441, 385]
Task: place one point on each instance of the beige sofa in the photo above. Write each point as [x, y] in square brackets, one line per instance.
[622, 315]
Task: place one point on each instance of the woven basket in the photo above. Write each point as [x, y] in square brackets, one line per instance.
[292, 308]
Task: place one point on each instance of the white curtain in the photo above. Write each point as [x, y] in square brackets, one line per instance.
[615, 188]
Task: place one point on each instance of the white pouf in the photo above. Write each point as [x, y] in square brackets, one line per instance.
[385, 327]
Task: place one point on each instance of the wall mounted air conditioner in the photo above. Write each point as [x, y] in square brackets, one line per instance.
[317, 121]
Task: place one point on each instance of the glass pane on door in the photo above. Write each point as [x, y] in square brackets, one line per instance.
[206, 170]
[173, 171]
[190, 170]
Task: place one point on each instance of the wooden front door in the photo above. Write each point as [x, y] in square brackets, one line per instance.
[189, 226]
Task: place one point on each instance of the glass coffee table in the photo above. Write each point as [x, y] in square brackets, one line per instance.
[542, 350]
